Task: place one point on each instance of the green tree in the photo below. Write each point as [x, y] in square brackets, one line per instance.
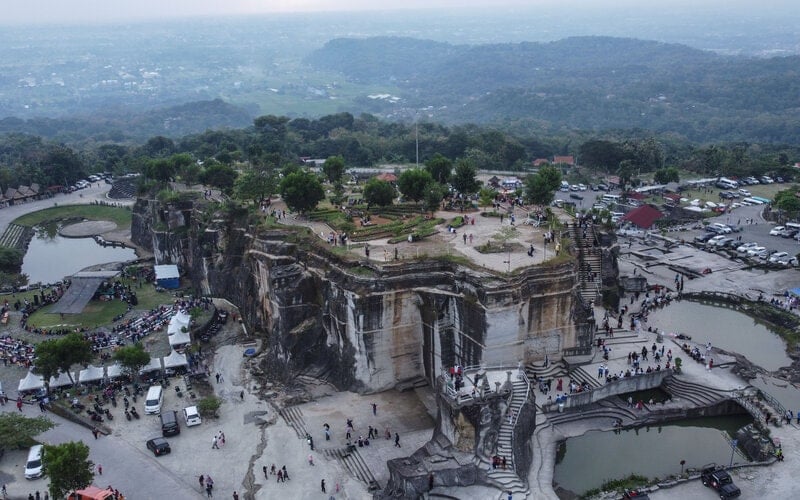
[161, 170]
[301, 191]
[666, 175]
[17, 430]
[540, 187]
[378, 192]
[412, 183]
[220, 176]
[440, 168]
[333, 168]
[434, 194]
[10, 259]
[209, 406]
[68, 467]
[625, 173]
[486, 196]
[132, 358]
[787, 201]
[255, 185]
[464, 178]
[57, 355]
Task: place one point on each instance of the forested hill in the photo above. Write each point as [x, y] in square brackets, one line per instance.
[582, 83]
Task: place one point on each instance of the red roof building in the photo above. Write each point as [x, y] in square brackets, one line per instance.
[386, 177]
[564, 160]
[538, 162]
[643, 217]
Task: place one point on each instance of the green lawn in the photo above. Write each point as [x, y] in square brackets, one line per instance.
[94, 315]
[120, 216]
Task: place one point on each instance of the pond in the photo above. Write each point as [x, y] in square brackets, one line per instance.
[588, 461]
[52, 257]
[725, 328]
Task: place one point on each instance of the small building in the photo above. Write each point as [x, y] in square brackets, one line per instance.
[387, 177]
[167, 276]
[643, 217]
[564, 160]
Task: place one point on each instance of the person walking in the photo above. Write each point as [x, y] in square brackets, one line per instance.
[322, 485]
[264, 469]
[374, 409]
[99, 469]
[397, 440]
[235, 496]
[202, 480]
[280, 476]
[214, 445]
[209, 494]
[95, 432]
[285, 474]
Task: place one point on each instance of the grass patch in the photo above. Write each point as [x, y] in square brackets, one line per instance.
[628, 483]
[94, 315]
[120, 216]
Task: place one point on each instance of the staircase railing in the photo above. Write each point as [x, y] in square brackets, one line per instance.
[524, 377]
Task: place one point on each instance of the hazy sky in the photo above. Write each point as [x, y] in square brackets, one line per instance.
[90, 11]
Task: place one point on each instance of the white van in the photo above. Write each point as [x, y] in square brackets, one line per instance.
[155, 396]
[33, 467]
[611, 198]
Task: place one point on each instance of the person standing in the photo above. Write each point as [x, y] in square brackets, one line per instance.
[214, 445]
[235, 496]
[322, 485]
[202, 480]
[397, 440]
[264, 470]
[374, 409]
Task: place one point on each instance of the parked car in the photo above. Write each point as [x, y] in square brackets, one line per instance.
[704, 237]
[745, 192]
[753, 252]
[581, 187]
[776, 231]
[746, 246]
[159, 446]
[766, 179]
[192, 416]
[723, 242]
[721, 228]
[575, 196]
[789, 261]
[719, 480]
[602, 187]
[777, 256]
[789, 233]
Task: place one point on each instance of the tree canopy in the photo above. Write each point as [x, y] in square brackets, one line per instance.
[440, 168]
[540, 187]
[302, 191]
[256, 185]
[17, 431]
[412, 183]
[434, 194]
[464, 178]
[787, 201]
[68, 467]
[666, 175]
[56, 355]
[378, 192]
[132, 358]
[333, 168]
[219, 175]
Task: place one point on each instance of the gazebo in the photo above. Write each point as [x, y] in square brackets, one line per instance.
[61, 381]
[175, 360]
[153, 365]
[114, 371]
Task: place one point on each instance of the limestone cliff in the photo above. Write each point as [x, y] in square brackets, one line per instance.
[364, 326]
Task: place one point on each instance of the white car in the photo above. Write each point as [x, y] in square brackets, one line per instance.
[745, 192]
[755, 251]
[721, 228]
[192, 416]
[778, 256]
[747, 246]
[581, 187]
[776, 231]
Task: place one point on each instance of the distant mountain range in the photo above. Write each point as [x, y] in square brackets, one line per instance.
[594, 83]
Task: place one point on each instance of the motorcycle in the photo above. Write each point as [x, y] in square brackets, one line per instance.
[135, 413]
[134, 398]
[94, 417]
[128, 415]
[126, 402]
[78, 406]
[109, 416]
[113, 401]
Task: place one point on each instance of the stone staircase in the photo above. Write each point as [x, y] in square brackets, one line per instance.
[507, 479]
[580, 375]
[14, 236]
[694, 393]
[590, 262]
[354, 463]
[294, 419]
[607, 408]
[554, 369]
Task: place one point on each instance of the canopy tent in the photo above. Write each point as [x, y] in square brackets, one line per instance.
[179, 338]
[175, 360]
[91, 374]
[174, 327]
[61, 381]
[182, 317]
[114, 371]
[795, 291]
[153, 365]
[31, 382]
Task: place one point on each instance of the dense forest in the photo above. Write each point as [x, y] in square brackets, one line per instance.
[271, 142]
[580, 83]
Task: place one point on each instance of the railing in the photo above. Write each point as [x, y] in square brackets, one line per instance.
[773, 403]
[754, 411]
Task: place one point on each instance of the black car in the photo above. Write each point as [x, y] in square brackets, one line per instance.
[159, 446]
[575, 196]
[719, 480]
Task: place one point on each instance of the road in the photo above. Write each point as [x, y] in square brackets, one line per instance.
[126, 467]
[84, 196]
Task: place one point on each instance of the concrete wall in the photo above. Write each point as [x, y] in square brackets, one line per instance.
[622, 386]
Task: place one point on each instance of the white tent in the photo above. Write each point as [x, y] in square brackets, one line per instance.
[31, 382]
[178, 339]
[153, 365]
[61, 381]
[91, 374]
[175, 327]
[175, 360]
[182, 317]
[114, 371]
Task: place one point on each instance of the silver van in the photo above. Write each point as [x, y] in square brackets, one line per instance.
[155, 396]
